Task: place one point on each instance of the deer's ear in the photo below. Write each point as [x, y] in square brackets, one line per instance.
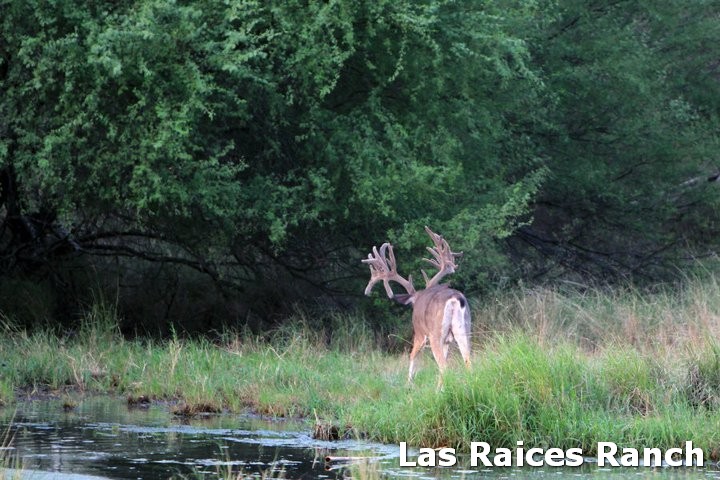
[403, 298]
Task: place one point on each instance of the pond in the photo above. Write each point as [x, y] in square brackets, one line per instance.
[103, 437]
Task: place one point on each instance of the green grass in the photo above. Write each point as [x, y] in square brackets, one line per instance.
[551, 368]
[560, 397]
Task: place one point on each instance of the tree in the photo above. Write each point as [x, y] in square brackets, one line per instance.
[633, 145]
[261, 142]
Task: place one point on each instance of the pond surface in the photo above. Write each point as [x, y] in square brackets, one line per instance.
[102, 437]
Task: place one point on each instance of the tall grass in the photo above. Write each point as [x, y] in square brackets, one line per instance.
[551, 367]
[560, 397]
[671, 317]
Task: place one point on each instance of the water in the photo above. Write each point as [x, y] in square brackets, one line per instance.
[102, 437]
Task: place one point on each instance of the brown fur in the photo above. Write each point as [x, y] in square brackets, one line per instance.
[431, 305]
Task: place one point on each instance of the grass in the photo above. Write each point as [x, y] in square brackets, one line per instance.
[10, 462]
[551, 367]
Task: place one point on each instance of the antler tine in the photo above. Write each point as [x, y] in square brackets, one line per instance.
[385, 269]
[392, 263]
[440, 254]
[378, 269]
[443, 258]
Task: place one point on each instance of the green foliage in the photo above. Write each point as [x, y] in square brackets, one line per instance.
[631, 147]
[121, 99]
[262, 143]
[253, 129]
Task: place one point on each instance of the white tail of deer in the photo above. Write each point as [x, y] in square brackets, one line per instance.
[440, 313]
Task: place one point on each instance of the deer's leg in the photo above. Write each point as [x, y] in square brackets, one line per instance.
[461, 331]
[418, 343]
[446, 350]
[438, 349]
[463, 343]
[446, 330]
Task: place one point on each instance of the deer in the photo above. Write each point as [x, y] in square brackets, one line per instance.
[440, 314]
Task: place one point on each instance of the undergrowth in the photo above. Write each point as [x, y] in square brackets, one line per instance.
[550, 367]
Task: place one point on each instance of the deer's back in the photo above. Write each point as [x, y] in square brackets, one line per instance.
[429, 308]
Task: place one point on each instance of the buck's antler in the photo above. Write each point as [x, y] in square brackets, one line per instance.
[385, 269]
[444, 259]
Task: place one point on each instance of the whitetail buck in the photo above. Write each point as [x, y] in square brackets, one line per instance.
[440, 314]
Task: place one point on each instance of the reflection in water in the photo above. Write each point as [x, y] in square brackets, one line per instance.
[102, 437]
[105, 438]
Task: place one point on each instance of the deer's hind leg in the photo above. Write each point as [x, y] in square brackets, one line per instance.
[439, 349]
[418, 344]
[461, 332]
